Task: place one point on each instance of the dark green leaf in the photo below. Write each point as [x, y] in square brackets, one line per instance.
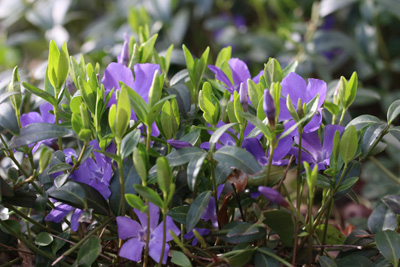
[43, 239]
[388, 243]
[222, 172]
[281, 222]
[325, 261]
[180, 259]
[238, 158]
[71, 193]
[13, 224]
[197, 209]
[182, 156]
[392, 202]
[333, 235]
[370, 136]
[362, 121]
[236, 239]
[259, 124]
[348, 144]
[347, 183]
[193, 169]
[8, 120]
[59, 168]
[262, 259]
[59, 243]
[37, 132]
[89, 252]
[393, 111]
[354, 261]
[179, 214]
[218, 133]
[382, 219]
[129, 142]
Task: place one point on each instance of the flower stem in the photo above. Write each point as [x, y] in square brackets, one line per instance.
[164, 240]
[146, 253]
[60, 146]
[214, 181]
[271, 154]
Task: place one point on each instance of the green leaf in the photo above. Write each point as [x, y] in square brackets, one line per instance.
[261, 259]
[239, 257]
[37, 132]
[354, 261]
[370, 137]
[333, 235]
[223, 55]
[89, 252]
[290, 68]
[123, 114]
[197, 209]
[209, 104]
[347, 183]
[180, 259]
[255, 92]
[179, 214]
[253, 232]
[201, 66]
[238, 158]
[218, 133]
[193, 169]
[138, 105]
[129, 142]
[393, 203]
[352, 89]
[259, 124]
[146, 48]
[388, 244]
[164, 174]
[54, 57]
[13, 224]
[63, 66]
[332, 108]
[155, 110]
[189, 61]
[8, 119]
[281, 222]
[182, 156]
[155, 89]
[325, 261]
[88, 94]
[43, 239]
[131, 178]
[14, 90]
[273, 72]
[362, 121]
[348, 144]
[59, 243]
[149, 194]
[135, 202]
[40, 93]
[382, 219]
[393, 111]
[45, 157]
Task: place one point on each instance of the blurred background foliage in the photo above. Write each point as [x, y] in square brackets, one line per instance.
[328, 38]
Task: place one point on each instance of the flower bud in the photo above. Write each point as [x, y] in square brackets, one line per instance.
[273, 196]
[243, 97]
[269, 107]
[178, 144]
[125, 54]
[71, 86]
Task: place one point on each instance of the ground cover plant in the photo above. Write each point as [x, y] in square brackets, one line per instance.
[208, 166]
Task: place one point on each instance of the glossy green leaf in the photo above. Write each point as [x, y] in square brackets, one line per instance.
[43, 239]
[209, 104]
[164, 174]
[59, 243]
[179, 214]
[381, 219]
[388, 243]
[37, 132]
[348, 144]
[197, 209]
[218, 133]
[333, 235]
[129, 142]
[393, 203]
[273, 72]
[183, 155]
[262, 259]
[8, 120]
[89, 252]
[123, 114]
[290, 68]
[370, 137]
[348, 183]
[363, 120]
[149, 194]
[135, 202]
[14, 90]
[238, 158]
[354, 261]
[257, 123]
[13, 224]
[138, 105]
[63, 66]
[393, 111]
[252, 232]
[325, 261]
[155, 89]
[180, 259]
[281, 222]
[88, 94]
[45, 156]
[193, 169]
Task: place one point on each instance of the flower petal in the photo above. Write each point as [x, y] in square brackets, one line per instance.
[253, 146]
[132, 249]
[29, 118]
[154, 216]
[75, 219]
[127, 227]
[316, 87]
[114, 73]
[240, 72]
[221, 76]
[155, 249]
[58, 213]
[328, 139]
[144, 74]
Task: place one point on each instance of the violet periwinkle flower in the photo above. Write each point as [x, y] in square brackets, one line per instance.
[134, 235]
[190, 235]
[70, 86]
[60, 211]
[313, 152]
[178, 144]
[124, 57]
[295, 86]
[144, 73]
[269, 107]
[243, 97]
[273, 196]
[35, 117]
[240, 74]
[210, 212]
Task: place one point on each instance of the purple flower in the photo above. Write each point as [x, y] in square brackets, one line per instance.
[60, 211]
[123, 58]
[210, 214]
[269, 107]
[240, 74]
[190, 235]
[144, 73]
[135, 235]
[35, 117]
[273, 196]
[295, 86]
[178, 144]
[243, 97]
[313, 152]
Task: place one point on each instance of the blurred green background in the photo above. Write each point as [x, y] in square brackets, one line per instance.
[328, 38]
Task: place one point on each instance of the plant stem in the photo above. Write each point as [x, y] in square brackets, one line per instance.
[164, 236]
[215, 191]
[342, 116]
[78, 161]
[391, 175]
[83, 240]
[60, 146]
[29, 244]
[148, 138]
[146, 253]
[271, 154]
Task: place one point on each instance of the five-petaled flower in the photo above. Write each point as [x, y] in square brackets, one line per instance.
[135, 235]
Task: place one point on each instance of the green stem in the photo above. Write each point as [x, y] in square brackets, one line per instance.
[215, 191]
[25, 217]
[60, 146]
[342, 116]
[391, 175]
[164, 236]
[83, 240]
[271, 154]
[148, 138]
[78, 161]
[30, 245]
